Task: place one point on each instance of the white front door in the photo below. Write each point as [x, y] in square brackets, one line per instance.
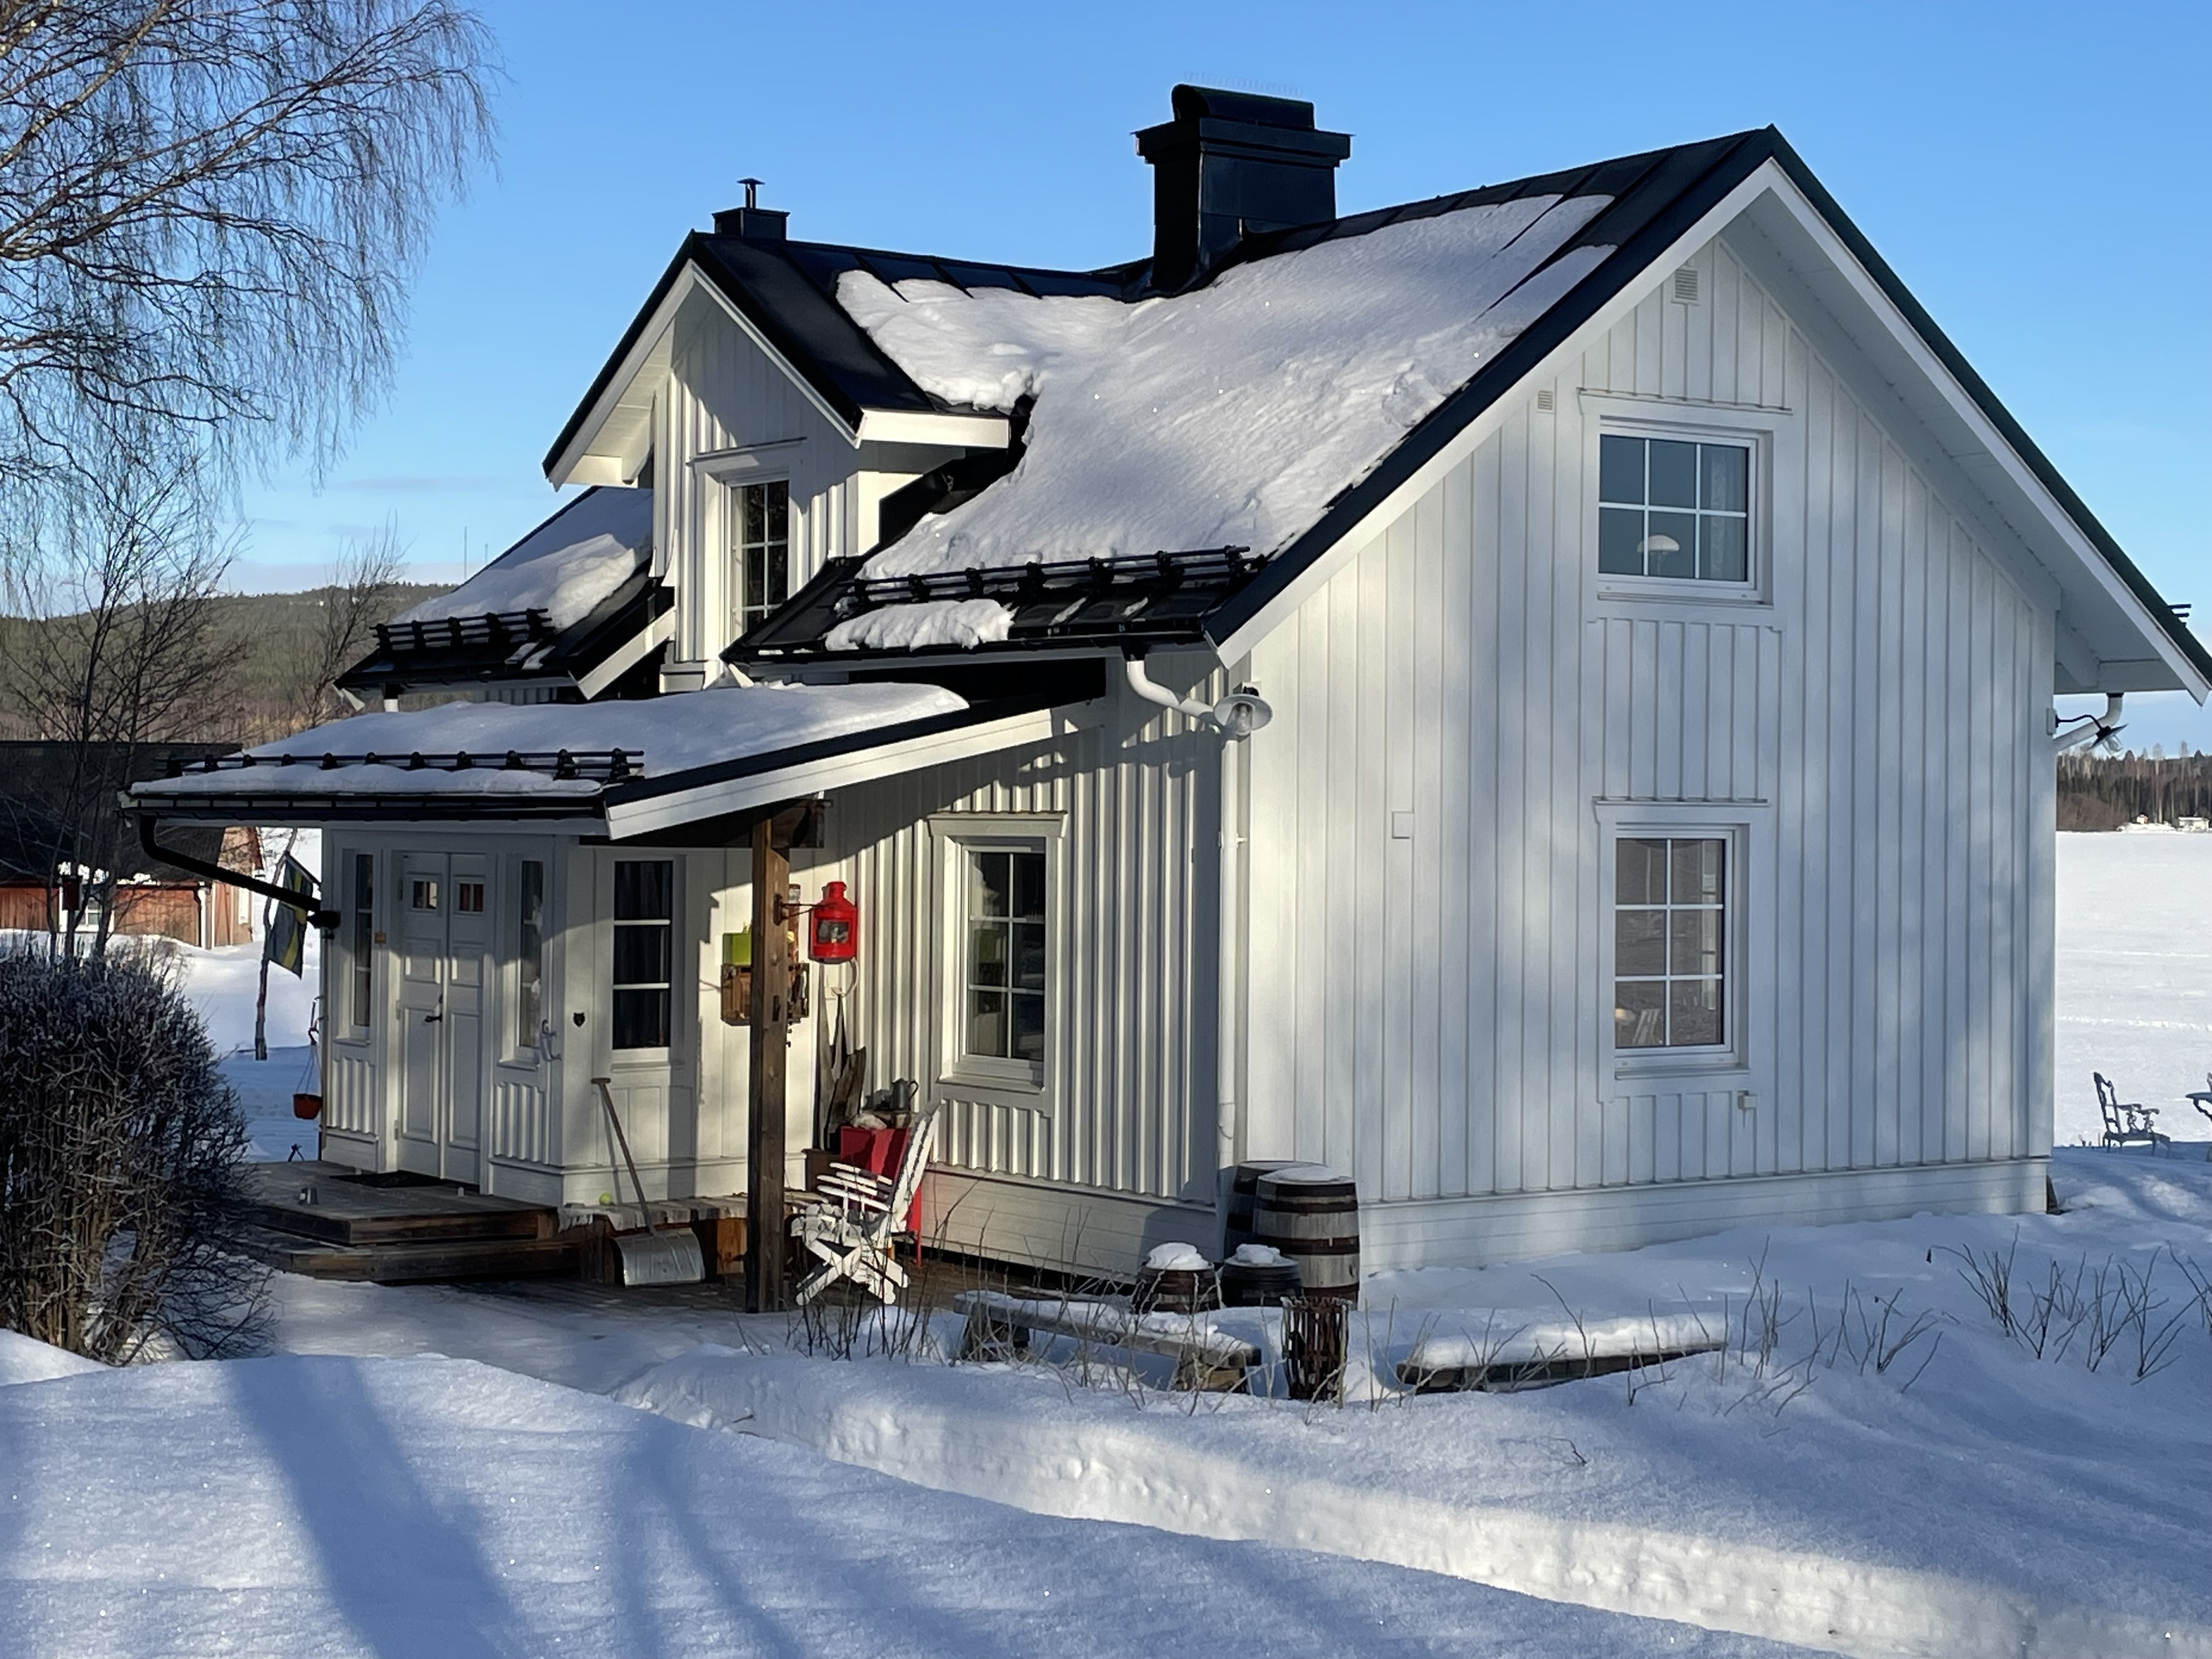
[445, 951]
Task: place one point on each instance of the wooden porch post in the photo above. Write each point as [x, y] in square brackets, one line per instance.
[764, 1151]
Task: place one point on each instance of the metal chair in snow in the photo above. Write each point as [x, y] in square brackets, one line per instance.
[2127, 1122]
[856, 1218]
[2201, 1099]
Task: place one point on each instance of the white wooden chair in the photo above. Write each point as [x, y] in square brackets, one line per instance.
[856, 1217]
[2127, 1122]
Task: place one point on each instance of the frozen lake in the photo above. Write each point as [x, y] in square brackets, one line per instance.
[2135, 976]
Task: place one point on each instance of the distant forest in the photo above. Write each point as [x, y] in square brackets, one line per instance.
[273, 637]
[2103, 791]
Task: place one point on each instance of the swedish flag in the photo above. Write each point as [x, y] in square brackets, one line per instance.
[286, 943]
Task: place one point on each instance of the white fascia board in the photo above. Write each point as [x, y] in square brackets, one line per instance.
[1994, 446]
[891, 426]
[1471, 437]
[628, 654]
[655, 336]
[712, 801]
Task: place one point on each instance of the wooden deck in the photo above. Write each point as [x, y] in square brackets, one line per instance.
[325, 1220]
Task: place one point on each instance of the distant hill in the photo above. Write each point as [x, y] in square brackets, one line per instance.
[271, 636]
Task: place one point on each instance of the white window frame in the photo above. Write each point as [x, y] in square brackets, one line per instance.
[1754, 429]
[779, 460]
[733, 552]
[361, 953]
[521, 1048]
[1744, 827]
[660, 1055]
[960, 1075]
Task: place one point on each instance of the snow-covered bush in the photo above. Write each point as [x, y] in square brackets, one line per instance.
[119, 1148]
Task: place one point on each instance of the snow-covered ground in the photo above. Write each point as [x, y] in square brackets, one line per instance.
[300, 1506]
[2135, 976]
[1874, 1467]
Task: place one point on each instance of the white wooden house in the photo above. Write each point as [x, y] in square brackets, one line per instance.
[1654, 831]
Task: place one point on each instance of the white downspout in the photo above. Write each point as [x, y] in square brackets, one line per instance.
[1234, 724]
[1152, 691]
[1226, 955]
[2087, 728]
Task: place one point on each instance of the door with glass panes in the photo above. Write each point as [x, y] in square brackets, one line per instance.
[445, 913]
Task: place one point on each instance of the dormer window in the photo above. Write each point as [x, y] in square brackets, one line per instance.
[760, 552]
[1673, 507]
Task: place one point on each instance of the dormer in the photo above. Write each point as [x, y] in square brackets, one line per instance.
[772, 425]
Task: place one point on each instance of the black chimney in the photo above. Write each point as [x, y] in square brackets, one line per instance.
[752, 222]
[1231, 163]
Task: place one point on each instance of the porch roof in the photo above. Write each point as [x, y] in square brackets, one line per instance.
[493, 763]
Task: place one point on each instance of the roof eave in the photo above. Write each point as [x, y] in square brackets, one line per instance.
[1230, 627]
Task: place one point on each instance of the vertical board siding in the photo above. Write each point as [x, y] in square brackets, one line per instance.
[521, 1123]
[1429, 1011]
[1129, 1103]
[351, 1102]
[724, 392]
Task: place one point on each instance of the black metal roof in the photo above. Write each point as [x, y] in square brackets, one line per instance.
[1657, 197]
[478, 647]
[787, 289]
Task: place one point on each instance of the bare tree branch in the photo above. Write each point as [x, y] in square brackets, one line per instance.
[210, 210]
[364, 589]
[121, 571]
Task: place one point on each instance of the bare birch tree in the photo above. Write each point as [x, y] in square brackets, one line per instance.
[210, 210]
[363, 591]
[121, 573]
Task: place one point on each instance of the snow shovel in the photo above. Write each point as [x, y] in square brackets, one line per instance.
[650, 1255]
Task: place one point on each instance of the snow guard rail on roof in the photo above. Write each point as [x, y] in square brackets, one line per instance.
[1149, 598]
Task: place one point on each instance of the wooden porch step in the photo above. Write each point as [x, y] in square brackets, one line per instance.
[409, 1262]
[340, 1210]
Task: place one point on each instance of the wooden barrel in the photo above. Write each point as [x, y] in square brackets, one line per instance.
[1246, 1285]
[1177, 1290]
[1311, 1214]
[1242, 1189]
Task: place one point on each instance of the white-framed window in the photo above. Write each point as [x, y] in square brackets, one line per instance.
[644, 957]
[1003, 954]
[360, 926]
[760, 550]
[1672, 956]
[998, 966]
[1676, 508]
[529, 955]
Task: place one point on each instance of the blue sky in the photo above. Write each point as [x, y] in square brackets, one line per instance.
[2037, 173]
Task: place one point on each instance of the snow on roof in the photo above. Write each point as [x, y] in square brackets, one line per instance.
[1232, 414]
[564, 568]
[964, 622]
[674, 733]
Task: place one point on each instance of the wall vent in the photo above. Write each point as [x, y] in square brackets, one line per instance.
[1686, 285]
[1544, 401]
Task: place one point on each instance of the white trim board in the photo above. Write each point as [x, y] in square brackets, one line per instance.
[1047, 1224]
[1473, 1232]
[708, 800]
[973, 431]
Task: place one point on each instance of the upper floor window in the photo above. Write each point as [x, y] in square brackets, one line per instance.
[760, 550]
[1667, 507]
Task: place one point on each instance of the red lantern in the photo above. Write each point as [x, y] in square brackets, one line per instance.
[835, 934]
